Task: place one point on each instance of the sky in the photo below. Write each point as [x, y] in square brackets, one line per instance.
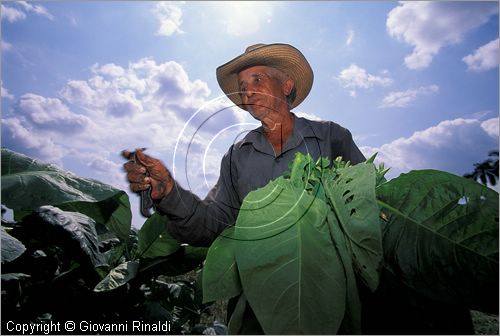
[416, 82]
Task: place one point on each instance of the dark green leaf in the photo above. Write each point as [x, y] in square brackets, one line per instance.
[28, 184]
[114, 212]
[154, 239]
[220, 273]
[118, 276]
[351, 323]
[185, 259]
[197, 254]
[11, 247]
[441, 237]
[14, 276]
[70, 230]
[237, 319]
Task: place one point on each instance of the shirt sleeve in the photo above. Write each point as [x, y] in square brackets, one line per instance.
[350, 150]
[342, 144]
[198, 222]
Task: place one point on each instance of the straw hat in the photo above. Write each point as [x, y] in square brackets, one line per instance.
[283, 57]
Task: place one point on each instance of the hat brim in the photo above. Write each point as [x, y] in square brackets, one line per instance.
[283, 57]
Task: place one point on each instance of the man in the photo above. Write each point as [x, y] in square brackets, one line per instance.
[267, 81]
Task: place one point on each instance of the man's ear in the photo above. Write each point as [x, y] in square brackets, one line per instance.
[288, 86]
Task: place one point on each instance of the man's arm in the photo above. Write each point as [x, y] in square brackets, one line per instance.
[350, 150]
[191, 220]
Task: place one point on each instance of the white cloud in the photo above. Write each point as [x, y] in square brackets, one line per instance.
[120, 92]
[21, 137]
[350, 37]
[110, 69]
[491, 127]
[484, 58]
[145, 104]
[355, 77]
[6, 93]
[169, 14]
[50, 114]
[429, 26]
[404, 98]
[452, 145]
[37, 9]
[13, 14]
[103, 165]
[79, 92]
[310, 116]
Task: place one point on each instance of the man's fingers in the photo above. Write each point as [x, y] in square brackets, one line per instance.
[144, 159]
[132, 167]
[138, 187]
[158, 179]
[126, 154]
[138, 178]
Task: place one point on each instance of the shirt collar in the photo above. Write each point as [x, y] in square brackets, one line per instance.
[302, 128]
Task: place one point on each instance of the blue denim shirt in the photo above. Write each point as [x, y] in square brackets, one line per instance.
[248, 165]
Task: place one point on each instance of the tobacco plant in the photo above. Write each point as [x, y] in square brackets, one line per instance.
[70, 254]
[306, 244]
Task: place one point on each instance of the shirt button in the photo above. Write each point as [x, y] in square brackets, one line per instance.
[277, 160]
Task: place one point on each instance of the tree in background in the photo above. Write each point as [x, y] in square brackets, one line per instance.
[486, 171]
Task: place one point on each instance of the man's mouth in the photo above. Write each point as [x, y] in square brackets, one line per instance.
[255, 103]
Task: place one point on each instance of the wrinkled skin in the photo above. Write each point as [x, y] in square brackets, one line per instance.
[159, 178]
[264, 97]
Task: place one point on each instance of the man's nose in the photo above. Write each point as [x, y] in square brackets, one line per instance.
[249, 92]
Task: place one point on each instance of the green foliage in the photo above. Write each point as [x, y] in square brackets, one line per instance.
[72, 244]
[351, 194]
[441, 237]
[306, 233]
[73, 231]
[295, 259]
[299, 249]
[486, 171]
[28, 184]
[221, 279]
[154, 239]
[118, 276]
[302, 241]
[11, 247]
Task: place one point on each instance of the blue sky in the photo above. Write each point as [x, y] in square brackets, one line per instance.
[416, 82]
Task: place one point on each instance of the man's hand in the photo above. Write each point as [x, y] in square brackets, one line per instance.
[159, 178]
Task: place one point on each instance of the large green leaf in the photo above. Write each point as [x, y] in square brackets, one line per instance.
[351, 323]
[440, 237]
[220, 273]
[28, 184]
[154, 239]
[114, 212]
[11, 247]
[291, 275]
[73, 231]
[118, 276]
[352, 195]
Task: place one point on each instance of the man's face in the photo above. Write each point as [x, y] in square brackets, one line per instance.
[260, 93]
